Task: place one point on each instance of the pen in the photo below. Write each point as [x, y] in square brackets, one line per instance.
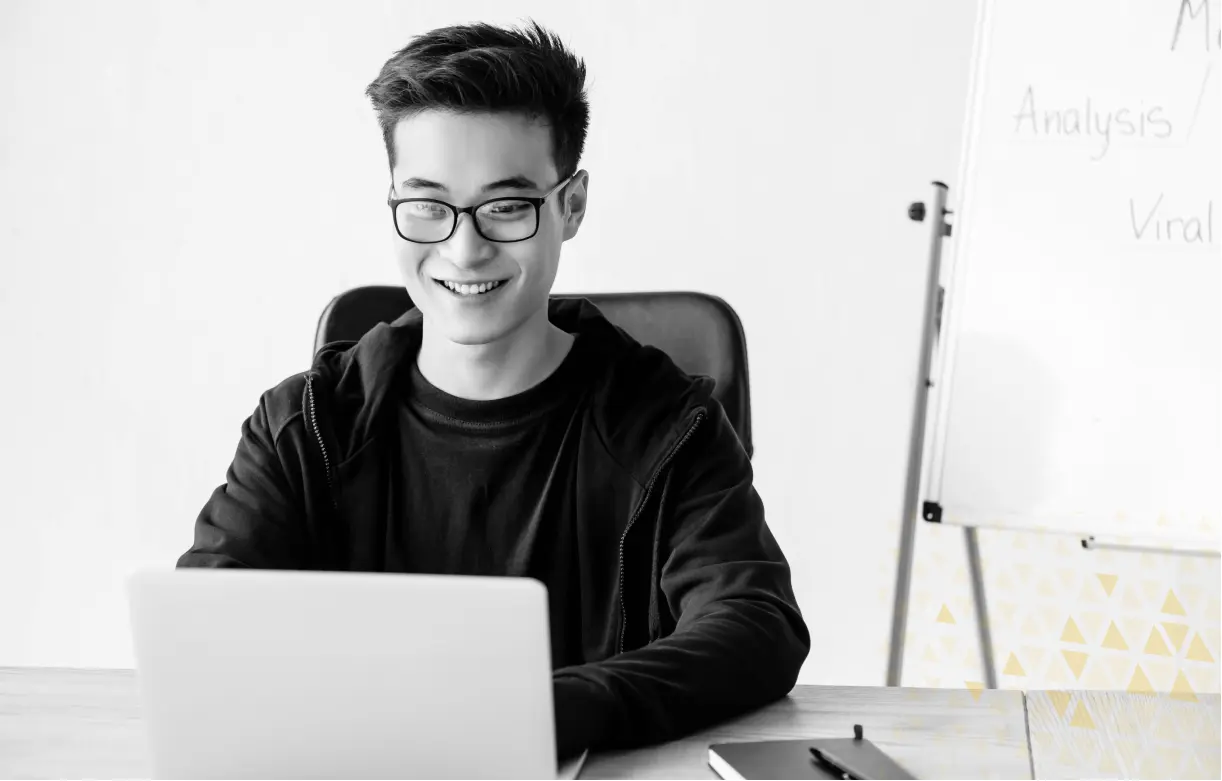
[844, 772]
[820, 757]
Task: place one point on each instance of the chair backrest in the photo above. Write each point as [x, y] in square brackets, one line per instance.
[701, 333]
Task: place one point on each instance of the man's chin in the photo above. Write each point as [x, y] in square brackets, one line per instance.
[468, 339]
[474, 327]
[469, 334]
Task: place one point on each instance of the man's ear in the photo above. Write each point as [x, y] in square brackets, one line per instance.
[576, 197]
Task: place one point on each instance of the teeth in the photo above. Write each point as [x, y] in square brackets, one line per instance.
[471, 290]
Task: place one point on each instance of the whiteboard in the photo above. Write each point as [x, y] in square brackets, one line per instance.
[1079, 383]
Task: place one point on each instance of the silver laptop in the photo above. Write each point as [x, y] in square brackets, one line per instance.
[284, 674]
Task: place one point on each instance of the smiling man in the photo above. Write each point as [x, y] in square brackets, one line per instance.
[482, 286]
[492, 431]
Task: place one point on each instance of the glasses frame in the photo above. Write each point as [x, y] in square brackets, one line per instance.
[536, 202]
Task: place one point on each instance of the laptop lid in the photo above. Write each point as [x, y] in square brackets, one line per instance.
[286, 674]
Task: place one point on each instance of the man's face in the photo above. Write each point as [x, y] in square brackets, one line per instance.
[465, 160]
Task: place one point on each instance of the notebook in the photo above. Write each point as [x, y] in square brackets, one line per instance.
[785, 759]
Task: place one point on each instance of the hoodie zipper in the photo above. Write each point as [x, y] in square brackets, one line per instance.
[623, 610]
[326, 460]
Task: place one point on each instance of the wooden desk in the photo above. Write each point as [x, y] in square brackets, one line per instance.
[933, 733]
[71, 724]
[87, 724]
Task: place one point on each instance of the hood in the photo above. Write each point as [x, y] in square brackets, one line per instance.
[642, 403]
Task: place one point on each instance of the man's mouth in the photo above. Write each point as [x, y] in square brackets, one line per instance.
[472, 289]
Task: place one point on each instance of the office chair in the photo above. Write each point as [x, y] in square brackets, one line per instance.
[701, 333]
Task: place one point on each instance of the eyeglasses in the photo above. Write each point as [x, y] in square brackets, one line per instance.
[505, 220]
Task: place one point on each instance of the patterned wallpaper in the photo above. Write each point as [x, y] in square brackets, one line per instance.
[1094, 734]
[1063, 617]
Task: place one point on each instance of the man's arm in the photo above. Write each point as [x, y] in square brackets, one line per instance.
[256, 518]
[740, 639]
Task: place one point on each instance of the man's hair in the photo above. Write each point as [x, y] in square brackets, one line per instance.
[476, 68]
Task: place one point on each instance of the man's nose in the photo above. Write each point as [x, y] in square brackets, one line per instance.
[466, 248]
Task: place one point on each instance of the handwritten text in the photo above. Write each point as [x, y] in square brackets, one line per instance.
[1154, 223]
[1089, 120]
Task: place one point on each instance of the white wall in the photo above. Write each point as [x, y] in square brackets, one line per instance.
[184, 186]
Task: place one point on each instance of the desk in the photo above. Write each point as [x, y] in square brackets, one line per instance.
[71, 724]
[933, 733]
[86, 724]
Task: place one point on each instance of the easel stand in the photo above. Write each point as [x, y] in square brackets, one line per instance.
[931, 512]
[939, 229]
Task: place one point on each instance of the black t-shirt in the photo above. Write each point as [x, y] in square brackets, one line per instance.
[488, 488]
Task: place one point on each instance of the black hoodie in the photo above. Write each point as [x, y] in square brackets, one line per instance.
[688, 611]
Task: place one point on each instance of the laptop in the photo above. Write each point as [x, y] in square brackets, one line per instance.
[289, 674]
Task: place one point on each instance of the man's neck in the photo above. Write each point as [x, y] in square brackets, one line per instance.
[514, 364]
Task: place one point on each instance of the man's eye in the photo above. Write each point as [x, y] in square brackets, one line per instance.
[428, 210]
[508, 208]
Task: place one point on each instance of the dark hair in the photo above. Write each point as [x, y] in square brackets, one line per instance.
[481, 68]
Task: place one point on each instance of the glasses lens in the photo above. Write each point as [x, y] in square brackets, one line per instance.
[424, 220]
[508, 220]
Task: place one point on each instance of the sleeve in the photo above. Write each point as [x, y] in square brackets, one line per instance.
[739, 639]
[256, 518]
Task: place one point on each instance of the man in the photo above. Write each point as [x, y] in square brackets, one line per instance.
[490, 431]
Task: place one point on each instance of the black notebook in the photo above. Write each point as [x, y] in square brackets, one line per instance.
[793, 759]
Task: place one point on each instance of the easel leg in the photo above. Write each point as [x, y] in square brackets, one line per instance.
[982, 607]
[939, 229]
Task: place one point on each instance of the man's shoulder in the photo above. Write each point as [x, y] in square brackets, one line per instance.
[633, 377]
[643, 403]
[284, 402]
[289, 399]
